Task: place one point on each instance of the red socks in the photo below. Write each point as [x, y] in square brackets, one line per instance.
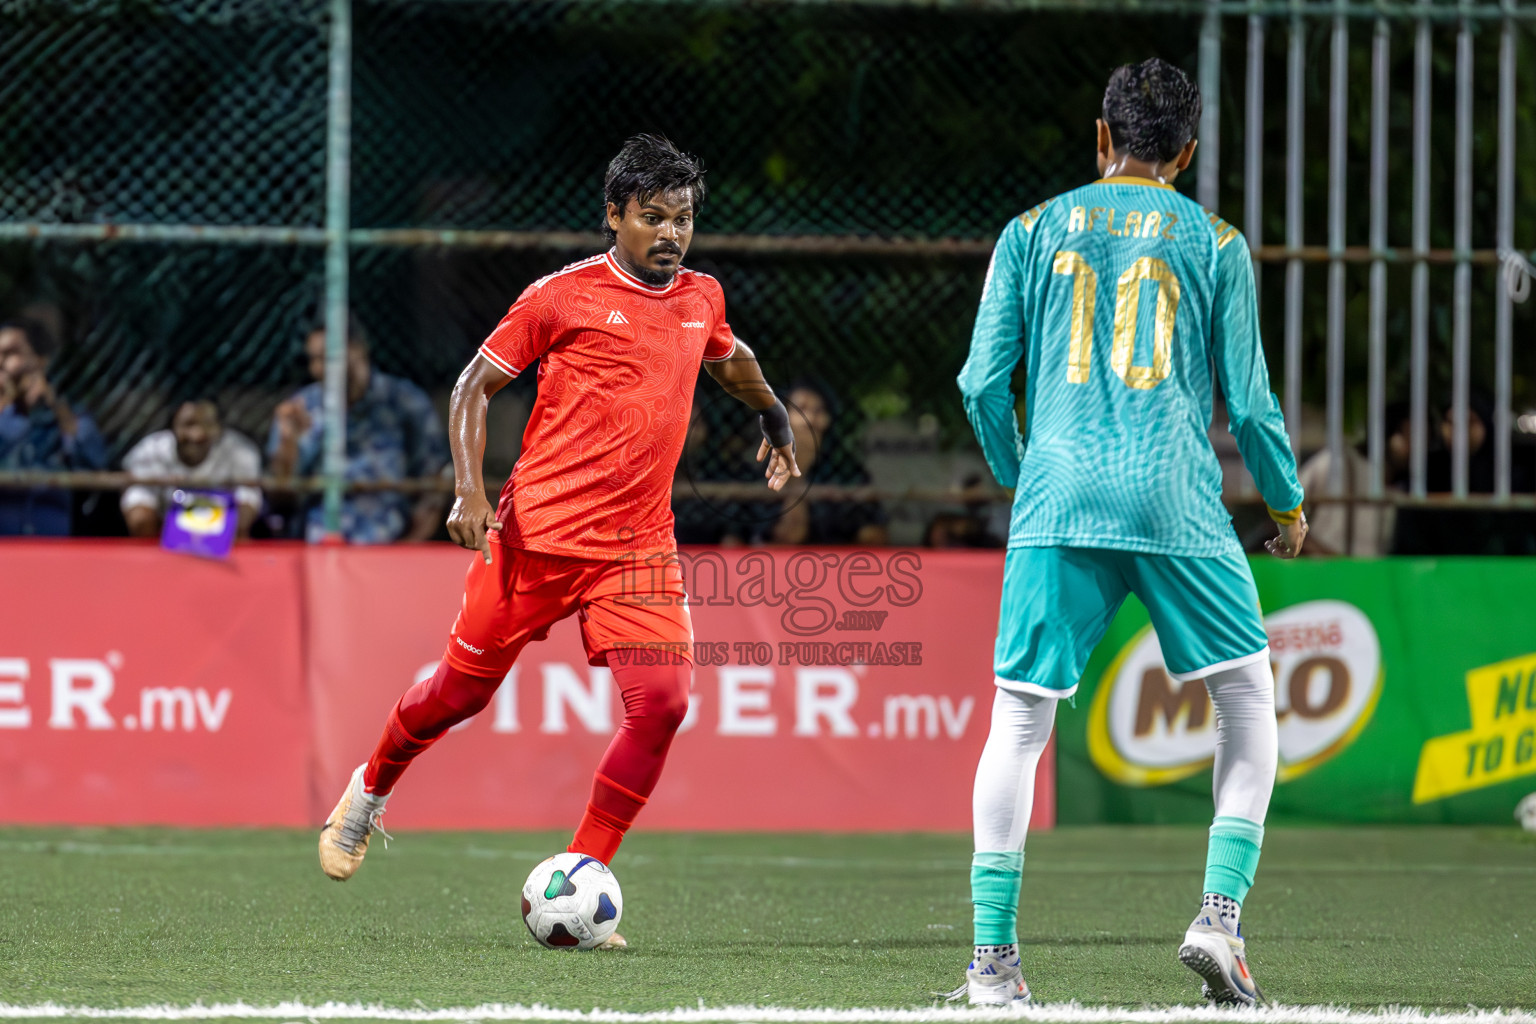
[610, 813]
[655, 701]
[394, 753]
[419, 719]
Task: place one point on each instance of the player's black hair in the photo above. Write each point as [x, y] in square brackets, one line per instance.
[647, 166]
[39, 338]
[1152, 109]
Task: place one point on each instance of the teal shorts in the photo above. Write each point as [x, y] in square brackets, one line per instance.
[1057, 603]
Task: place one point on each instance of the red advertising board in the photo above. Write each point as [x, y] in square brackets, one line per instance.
[138, 687]
[835, 689]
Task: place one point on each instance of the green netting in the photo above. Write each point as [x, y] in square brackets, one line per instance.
[815, 118]
[905, 122]
[151, 325]
[163, 112]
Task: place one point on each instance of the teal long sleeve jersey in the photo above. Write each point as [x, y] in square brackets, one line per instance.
[1123, 297]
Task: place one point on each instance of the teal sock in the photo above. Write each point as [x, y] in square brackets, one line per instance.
[1232, 857]
[995, 880]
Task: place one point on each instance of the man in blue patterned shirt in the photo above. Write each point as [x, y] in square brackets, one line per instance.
[38, 431]
[393, 433]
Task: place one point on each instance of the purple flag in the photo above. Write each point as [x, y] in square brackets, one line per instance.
[200, 523]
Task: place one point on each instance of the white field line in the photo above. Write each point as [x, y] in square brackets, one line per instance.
[1061, 1013]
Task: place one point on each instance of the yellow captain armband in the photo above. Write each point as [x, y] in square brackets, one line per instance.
[1285, 518]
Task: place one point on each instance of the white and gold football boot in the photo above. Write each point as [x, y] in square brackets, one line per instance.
[344, 839]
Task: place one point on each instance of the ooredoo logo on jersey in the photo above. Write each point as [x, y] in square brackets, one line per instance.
[1146, 729]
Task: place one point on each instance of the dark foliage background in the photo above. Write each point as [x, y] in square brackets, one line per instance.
[815, 119]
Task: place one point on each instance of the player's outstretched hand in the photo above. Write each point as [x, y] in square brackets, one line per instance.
[1288, 543]
[469, 524]
[781, 464]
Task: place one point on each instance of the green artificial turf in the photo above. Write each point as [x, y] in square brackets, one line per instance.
[1430, 917]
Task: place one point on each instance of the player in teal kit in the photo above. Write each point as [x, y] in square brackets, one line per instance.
[1123, 298]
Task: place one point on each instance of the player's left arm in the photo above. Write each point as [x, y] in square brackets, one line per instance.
[738, 373]
[735, 368]
[997, 343]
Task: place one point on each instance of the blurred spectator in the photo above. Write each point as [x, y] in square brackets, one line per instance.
[1467, 531]
[955, 530]
[699, 520]
[801, 518]
[969, 529]
[1479, 448]
[392, 433]
[39, 431]
[196, 447]
[1363, 530]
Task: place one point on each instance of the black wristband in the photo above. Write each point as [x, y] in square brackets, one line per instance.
[775, 423]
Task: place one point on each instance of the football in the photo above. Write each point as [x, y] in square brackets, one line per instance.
[1525, 812]
[571, 901]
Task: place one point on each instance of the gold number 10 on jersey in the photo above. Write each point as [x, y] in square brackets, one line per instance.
[1085, 285]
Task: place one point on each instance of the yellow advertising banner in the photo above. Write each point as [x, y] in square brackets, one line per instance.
[1500, 746]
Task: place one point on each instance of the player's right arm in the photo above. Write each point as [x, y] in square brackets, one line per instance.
[1255, 418]
[523, 335]
[997, 343]
[472, 515]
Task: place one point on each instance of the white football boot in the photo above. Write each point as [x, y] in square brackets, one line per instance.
[344, 839]
[993, 981]
[1220, 957]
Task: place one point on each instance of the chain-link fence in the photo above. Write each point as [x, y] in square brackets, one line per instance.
[861, 155]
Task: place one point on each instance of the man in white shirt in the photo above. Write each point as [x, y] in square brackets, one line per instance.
[197, 448]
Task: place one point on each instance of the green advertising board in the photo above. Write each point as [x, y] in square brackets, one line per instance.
[1405, 691]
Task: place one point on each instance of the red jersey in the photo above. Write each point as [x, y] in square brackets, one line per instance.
[618, 360]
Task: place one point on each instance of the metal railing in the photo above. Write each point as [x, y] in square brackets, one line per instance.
[1338, 253]
[683, 490]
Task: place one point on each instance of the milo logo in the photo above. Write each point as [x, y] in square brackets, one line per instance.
[1145, 729]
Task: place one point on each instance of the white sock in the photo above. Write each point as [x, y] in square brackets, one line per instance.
[1005, 953]
[371, 799]
[1224, 909]
[1004, 794]
[1247, 740]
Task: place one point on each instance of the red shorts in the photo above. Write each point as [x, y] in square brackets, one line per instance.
[625, 603]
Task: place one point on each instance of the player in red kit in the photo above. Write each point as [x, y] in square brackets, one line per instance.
[584, 524]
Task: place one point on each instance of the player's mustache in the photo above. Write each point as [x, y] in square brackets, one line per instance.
[657, 250]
